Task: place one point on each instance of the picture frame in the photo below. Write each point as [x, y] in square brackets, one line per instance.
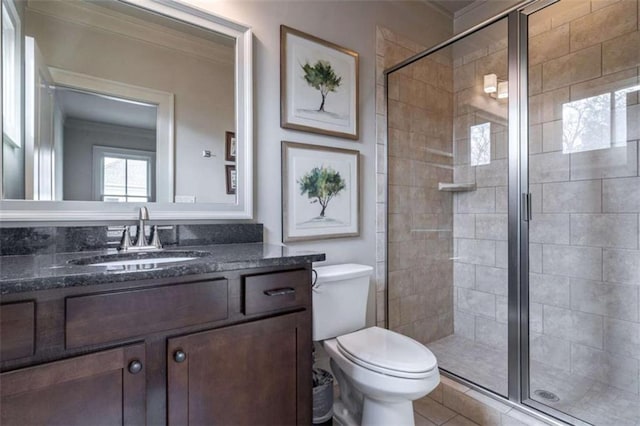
[319, 85]
[231, 178]
[310, 212]
[230, 146]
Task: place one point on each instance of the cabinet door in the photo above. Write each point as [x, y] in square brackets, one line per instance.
[257, 373]
[103, 388]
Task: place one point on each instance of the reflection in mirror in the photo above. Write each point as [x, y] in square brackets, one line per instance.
[105, 101]
[119, 160]
[596, 122]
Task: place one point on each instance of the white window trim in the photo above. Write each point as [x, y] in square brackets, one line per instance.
[12, 112]
[99, 152]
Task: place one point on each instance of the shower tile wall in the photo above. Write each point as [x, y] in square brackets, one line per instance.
[480, 216]
[391, 49]
[420, 220]
[585, 262]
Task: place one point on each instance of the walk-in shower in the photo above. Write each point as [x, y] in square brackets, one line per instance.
[513, 207]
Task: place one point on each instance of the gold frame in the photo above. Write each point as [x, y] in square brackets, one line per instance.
[284, 31]
[285, 191]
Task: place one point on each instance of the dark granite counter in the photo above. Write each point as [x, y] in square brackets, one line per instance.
[47, 271]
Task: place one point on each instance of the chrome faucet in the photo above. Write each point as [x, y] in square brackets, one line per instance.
[141, 238]
[141, 243]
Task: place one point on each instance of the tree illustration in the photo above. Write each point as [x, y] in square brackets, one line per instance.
[323, 184]
[322, 77]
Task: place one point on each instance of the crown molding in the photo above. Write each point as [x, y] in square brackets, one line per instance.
[437, 8]
[468, 8]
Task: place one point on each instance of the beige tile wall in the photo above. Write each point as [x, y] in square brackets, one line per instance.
[420, 107]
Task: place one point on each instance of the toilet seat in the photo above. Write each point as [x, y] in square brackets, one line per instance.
[387, 352]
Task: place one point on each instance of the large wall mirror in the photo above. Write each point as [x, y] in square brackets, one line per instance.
[110, 104]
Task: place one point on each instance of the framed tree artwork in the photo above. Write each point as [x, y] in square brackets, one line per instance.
[230, 146]
[320, 192]
[318, 85]
[232, 178]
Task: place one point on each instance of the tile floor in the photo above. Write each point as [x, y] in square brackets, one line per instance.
[452, 403]
[592, 401]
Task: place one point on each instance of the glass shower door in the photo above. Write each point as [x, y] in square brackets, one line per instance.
[584, 262]
[447, 232]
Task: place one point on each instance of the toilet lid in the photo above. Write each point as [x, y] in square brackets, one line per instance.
[387, 352]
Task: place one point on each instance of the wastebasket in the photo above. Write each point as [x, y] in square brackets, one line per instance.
[322, 396]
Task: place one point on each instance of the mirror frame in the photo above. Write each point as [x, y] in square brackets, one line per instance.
[92, 211]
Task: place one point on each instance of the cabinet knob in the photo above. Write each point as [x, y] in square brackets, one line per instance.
[135, 367]
[179, 356]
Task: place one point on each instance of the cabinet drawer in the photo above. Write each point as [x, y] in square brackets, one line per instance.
[281, 290]
[102, 318]
[17, 330]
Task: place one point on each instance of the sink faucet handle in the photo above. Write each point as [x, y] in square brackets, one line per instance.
[155, 238]
[125, 242]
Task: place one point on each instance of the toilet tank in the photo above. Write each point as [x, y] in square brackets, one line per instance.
[340, 296]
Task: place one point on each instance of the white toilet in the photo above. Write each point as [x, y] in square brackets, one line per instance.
[380, 372]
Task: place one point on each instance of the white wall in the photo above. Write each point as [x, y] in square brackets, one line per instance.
[351, 24]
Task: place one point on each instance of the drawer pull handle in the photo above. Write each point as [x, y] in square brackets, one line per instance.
[135, 367]
[280, 291]
[179, 356]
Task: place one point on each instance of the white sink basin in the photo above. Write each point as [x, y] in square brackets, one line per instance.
[144, 261]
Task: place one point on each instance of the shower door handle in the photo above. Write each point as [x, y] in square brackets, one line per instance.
[526, 207]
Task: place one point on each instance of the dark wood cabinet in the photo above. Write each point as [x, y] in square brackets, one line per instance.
[17, 323]
[247, 374]
[103, 388]
[229, 348]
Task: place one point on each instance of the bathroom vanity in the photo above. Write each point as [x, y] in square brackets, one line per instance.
[224, 338]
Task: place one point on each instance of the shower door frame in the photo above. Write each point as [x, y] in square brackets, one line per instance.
[519, 209]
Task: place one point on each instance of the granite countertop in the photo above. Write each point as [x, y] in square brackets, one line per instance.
[52, 271]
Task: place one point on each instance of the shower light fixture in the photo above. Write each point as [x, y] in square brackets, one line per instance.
[490, 83]
[503, 90]
[496, 88]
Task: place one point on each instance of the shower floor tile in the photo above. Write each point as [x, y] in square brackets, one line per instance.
[477, 363]
[584, 398]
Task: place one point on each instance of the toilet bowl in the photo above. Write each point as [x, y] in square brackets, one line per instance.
[384, 390]
[380, 373]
